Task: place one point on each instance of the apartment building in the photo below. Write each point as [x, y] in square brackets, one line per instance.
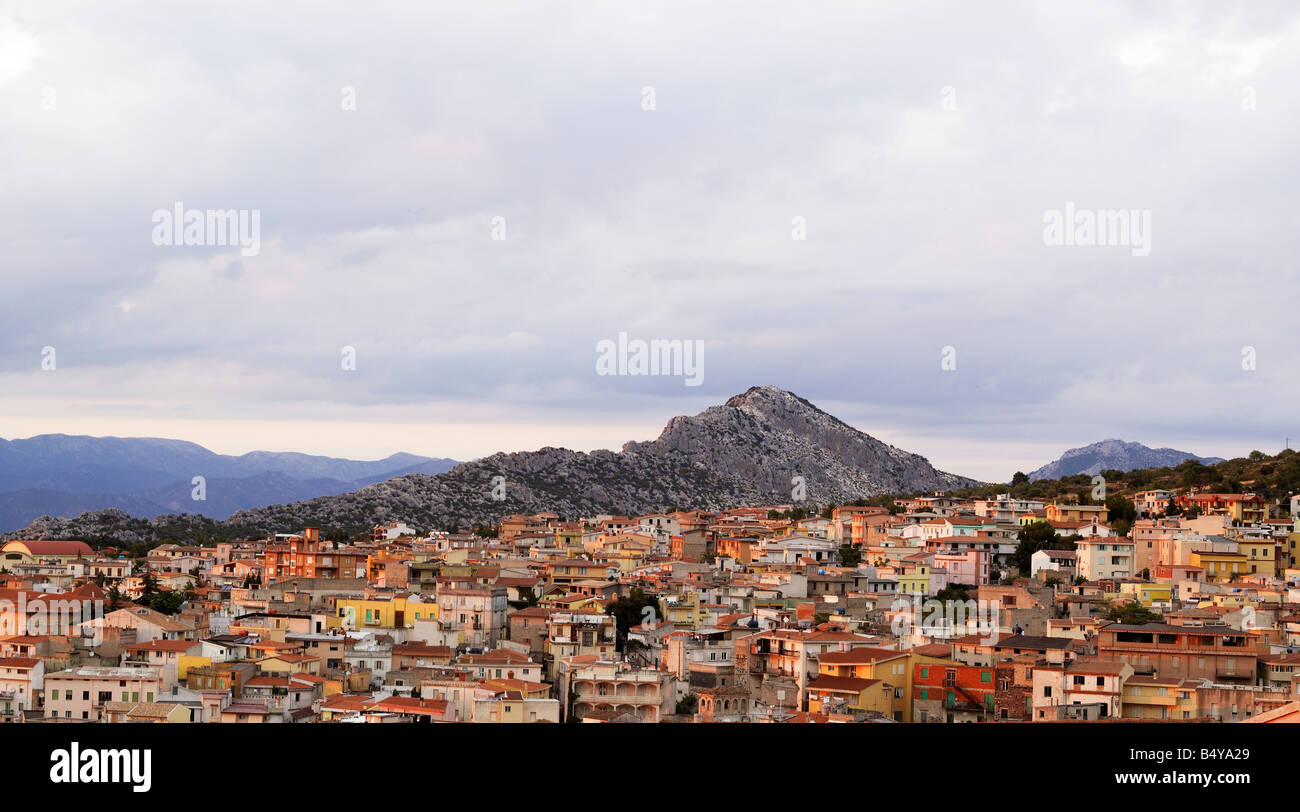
[1165, 698]
[1105, 557]
[1217, 653]
[776, 665]
[82, 693]
[1076, 513]
[165, 656]
[578, 633]
[1152, 503]
[478, 612]
[22, 680]
[306, 556]
[1243, 508]
[1082, 689]
[953, 692]
[867, 678]
[608, 685]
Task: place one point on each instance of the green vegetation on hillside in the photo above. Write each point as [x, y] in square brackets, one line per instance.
[1274, 478]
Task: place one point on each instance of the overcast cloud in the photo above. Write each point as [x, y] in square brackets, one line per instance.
[921, 143]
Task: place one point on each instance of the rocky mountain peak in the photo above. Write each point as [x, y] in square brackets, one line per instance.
[750, 450]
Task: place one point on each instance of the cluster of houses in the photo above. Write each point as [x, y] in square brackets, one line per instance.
[915, 613]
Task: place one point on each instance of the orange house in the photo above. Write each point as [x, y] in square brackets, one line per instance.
[740, 549]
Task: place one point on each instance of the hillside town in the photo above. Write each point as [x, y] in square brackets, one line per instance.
[932, 609]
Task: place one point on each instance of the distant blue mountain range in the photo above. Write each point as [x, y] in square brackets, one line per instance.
[65, 475]
[1116, 455]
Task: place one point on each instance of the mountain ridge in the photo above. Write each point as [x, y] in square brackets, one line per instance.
[63, 474]
[1113, 454]
[747, 450]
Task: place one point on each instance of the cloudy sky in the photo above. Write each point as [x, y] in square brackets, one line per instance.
[649, 161]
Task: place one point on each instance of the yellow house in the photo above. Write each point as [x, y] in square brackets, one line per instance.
[1259, 555]
[916, 582]
[1220, 566]
[682, 610]
[1145, 697]
[1147, 594]
[150, 712]
[263, 627]
[286, 664]
[354, 683]
[857, 675]
[396, 611]
[1231, 599]
[570, 541]
[626, 551]
[861, 694]
[184, 664]
[1066, 512]
[507, 707]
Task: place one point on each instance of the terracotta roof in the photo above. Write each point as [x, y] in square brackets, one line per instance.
[416, 649]
[54, 547]
[825, 682]
[271, 682]
[496, 657]
[860, 655]
[413, 705]
[1101, 667]
[19, 662]
[934, 650]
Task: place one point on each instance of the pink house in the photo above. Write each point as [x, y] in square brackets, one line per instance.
[970, 567]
